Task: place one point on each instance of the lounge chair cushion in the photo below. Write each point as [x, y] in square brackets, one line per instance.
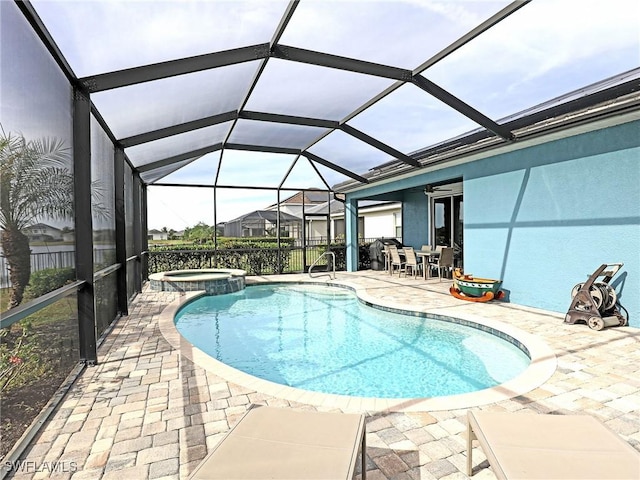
[278, 443]
[530, 446]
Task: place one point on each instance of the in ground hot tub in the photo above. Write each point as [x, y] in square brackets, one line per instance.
[215, 281]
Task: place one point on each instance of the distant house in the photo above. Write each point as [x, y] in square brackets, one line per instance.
[157, 235]
[68, 235]
[263, 223]
[375, 220]
[41, 232]
[322, 218]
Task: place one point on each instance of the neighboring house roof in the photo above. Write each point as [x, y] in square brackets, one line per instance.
[338, 207]
[155, 231]
[269, 215]
[310, 198]
[323, 209]
[42, 225]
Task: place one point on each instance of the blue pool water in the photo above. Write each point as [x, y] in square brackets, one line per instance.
[323, 339]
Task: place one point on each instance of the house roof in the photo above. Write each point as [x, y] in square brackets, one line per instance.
[309, 197]
[269, 215]
[42, 225]
[337, 206]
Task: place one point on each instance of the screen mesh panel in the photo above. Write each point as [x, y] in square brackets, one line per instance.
[177, 144]
[231, 204]
[36, 153]
[543, 50]
[179, 207]
[413, 119]
[348, 152]
[102, 198]
[310, 91]
[335, 61]
[237, 166]
[99, 37]
[201, 171]
[171, 101]
[271, 134]
[303, 175]
[401, 34]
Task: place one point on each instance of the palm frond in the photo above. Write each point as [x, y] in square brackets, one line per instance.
[35, 178]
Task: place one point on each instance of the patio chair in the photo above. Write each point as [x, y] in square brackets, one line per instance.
[526, 446]
[281, 443]
[444, 261]
[411, 262]
[396, 261]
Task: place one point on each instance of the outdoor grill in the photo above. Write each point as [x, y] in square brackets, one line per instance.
[376, 251]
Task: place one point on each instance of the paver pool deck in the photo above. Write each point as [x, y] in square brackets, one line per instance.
[148, 411]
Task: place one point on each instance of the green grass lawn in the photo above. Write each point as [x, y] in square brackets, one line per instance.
[60, 310]
[4, 298]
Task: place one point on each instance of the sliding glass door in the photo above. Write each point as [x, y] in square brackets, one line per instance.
[447, 223]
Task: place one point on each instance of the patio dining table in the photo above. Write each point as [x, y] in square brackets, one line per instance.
[426, 255]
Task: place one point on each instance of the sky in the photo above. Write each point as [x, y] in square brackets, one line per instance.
[545, 49]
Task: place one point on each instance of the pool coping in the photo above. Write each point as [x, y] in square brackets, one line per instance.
[543, 365]
[195, 275]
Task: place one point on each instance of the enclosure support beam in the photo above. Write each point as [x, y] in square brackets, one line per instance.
[335, 167]
[304, 234]
[279, 262]
[84, 225]
[144, 229]
[312, 57]
[121, 241]
[179, 158]
[288, 119]
[351, 233]
[329, 239]
[178, 129]
[137, 230]
[157, 71]
[379, 145]
[465, 109]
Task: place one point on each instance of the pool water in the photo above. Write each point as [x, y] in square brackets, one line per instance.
[323, 339]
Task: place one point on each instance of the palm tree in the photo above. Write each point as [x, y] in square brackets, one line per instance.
[35, 181]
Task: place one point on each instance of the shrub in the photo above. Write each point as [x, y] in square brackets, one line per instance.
[256, 255]
[49, 279]
[20, 359]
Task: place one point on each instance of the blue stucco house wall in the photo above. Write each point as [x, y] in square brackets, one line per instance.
[544, 217]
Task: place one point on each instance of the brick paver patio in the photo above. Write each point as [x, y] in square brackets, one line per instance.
[146, 411]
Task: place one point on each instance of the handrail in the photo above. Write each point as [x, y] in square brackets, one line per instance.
[333, 263]
[106, 271]
[18, 313]
[131, 258]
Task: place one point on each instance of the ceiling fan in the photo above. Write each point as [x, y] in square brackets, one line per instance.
[435, 188]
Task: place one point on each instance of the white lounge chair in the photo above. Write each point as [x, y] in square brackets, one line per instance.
[530, 446]
[279, 443]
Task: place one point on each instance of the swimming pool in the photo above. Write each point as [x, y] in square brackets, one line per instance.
[323, 339]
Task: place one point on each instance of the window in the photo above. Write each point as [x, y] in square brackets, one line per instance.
[397, 222]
